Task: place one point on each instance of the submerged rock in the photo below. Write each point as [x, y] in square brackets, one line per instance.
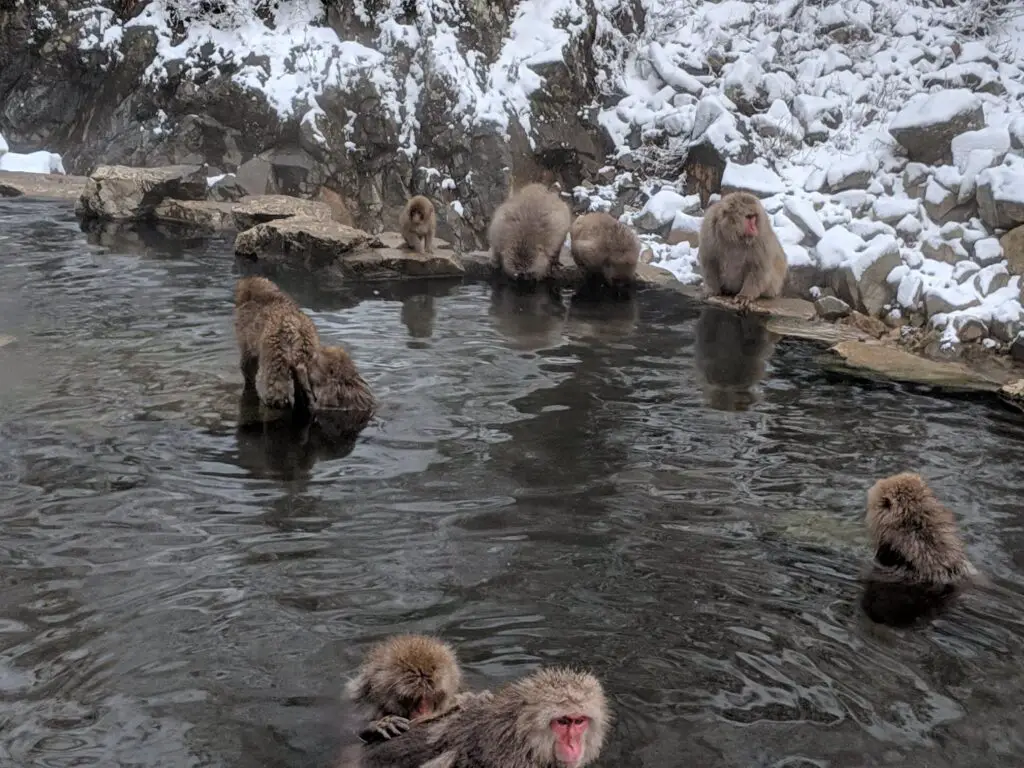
[123, 193]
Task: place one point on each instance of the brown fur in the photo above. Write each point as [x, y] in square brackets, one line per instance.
[404, 671]
[339, 209]
[605, 246]
[905, 517]
[418, 224]
[734, 264]
[527, 232]
[277, 343]
[342, 396]
[509, 729]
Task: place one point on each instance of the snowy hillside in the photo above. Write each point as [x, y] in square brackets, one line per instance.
[800, 102]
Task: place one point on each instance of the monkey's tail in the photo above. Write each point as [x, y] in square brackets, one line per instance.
[305, 398]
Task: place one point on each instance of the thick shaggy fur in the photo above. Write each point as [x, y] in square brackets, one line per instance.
[406, 675]
[277, 343]
[418, 224]
[509, 729]
[344, 402]
[919, 559]
[527, 232]
[735, 264]
[602, 245]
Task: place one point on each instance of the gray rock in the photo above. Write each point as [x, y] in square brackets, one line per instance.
[915, 179]
[988, 250]
[202, 215]
[122, 193]
[301, 242]
[264, 208]
[926, 126]
[255, 176]
[991, 278]
[940, 250]
[864, 284]
[969, 328]
[1013, 250]
[227, 190]
[998, 197]
[909, 228]
[1017, 349]
[1004, 329]
[942, 299]
[387, 258]
[832, 308]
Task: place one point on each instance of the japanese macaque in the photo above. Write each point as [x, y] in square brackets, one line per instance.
[919, 564]
[418, 224]
[528, 231]
[731, 352]
[554, 718]
[344, 402]
[277, 343]
[602, 245]
[739, 253]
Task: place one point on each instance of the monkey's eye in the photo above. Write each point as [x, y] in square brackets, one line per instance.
[751, 216]
[564, 721]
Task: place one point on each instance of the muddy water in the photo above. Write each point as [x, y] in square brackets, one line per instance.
[549, 481]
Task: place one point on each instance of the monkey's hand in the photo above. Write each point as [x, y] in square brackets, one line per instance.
[386, 728]
[744, 303]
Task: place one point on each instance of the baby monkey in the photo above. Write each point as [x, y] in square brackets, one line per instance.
[277, 342]
[602, 245]
[739, 253]
[919, 565]
[553, 718]
[418, 224]
[528, 231]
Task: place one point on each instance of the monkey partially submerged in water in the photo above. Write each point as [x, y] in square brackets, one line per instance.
[605, 247]
[528, 231]
[553, 718]
[739, 253]
[919, 564]
[418, 224]
[277, 343]
[344, 402]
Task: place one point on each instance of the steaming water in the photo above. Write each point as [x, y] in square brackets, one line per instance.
[549, 481]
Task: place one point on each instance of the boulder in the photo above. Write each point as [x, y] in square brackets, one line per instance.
[204, 215]
[685, 229]
[1001, 196]
[227, 189]
[46, 186]
[915, 178]
[122, 193]
[1017, 349]
[755, 179]
[991, 278]
[263, 208]
[941, 299]
[388, 258]
[832, 308]
[928, 123]
[1012, 244]
[969, 328]
[864, 281]
[988, 250]
[300, 241]
[853, 172]
[802, 213]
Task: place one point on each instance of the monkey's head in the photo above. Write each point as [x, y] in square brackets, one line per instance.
[255, 288]
[333, 364]
[409, 675]
[741, 217]
[567, 716]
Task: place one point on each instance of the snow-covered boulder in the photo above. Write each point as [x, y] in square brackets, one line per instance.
[852, 172]
[1012, 244]
[32, 162]
[802, 213]
[942, 299]
[928, 123]
[119, 192]
[864, 280]
[1001, 196]
[755, 179]
[685, 229]
[659, 212]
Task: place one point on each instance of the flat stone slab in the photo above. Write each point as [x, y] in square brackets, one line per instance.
[126, 193]
[899, 365]
[46, 186]
[396, 263]
[301, 241]
[781, 307]
[203, 215]
[1013, 391]
[259, 209]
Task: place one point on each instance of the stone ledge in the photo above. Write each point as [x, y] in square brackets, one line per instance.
[43, 186]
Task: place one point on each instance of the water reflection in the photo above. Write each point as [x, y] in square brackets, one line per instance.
[531, 316]
[731, 351]
[599, 312]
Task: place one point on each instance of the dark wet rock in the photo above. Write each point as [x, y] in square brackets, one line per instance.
[263, 208]
[119, 192]
[832, 308]
[1017, 349]
[51, 186]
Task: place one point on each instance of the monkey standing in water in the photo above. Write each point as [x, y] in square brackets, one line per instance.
[919, 565]
[553, 718]
[277, 343]
[418, 223]
[527, 232]
[602, 245]
[739, 253]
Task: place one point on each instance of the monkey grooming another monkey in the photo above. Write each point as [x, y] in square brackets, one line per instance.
[553, 718]
[418, 223]
[527, 232]
[277, 343]
[739, 253]
[602, 245]
[919, 564]
[344, 402]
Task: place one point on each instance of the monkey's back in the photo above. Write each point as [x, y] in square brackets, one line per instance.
[598, 239]
[531, 218]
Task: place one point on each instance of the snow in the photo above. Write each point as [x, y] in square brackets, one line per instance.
[3, 144]
[33, 162]
[929, 109]
[996, 139]
[1006, 182]
[663, 206]
[862, 162]
[803, 212]
[838, 247]
[757, 179]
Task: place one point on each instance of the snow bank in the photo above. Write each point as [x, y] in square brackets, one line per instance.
[33, 162]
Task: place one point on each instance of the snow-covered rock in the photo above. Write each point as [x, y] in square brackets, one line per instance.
[685, 229]
[864, 281]
[1001, 196]
[33, 162]
[928, 123]
[755, 179]
[853, 172]
[801, 212]
[660, 211]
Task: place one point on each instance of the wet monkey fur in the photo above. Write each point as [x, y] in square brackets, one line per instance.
[277, 343]
[739, 253]
[527, 232]
[553, 718]
[418, 224]
[604, 246]
[344, 402]
[920, 565]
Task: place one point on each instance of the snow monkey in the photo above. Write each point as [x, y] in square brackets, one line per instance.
[604, 246]
[527, 232]
[739, 253]
[919, 563]
[553, 718]
[344, 402]
[418, 223]
[277, 343]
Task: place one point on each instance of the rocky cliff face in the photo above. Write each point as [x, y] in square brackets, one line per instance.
[374, 100]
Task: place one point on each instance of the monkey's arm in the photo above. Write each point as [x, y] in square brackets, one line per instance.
[383, 729]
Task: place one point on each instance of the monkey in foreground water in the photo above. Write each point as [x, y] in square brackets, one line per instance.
[344, 402]
[739, 253]
[553, 718]
[277, 343]
[418, 224]
[919, 564]
[602, 245]
[528, 231]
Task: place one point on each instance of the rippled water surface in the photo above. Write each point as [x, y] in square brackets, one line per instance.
[549, 481]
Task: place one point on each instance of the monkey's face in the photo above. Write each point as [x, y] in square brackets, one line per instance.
[570, 732]
[743, 217]
[618, 275]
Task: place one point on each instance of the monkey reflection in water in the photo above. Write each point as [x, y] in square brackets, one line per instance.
[600, 311]
[531, 316]
[731, 351]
